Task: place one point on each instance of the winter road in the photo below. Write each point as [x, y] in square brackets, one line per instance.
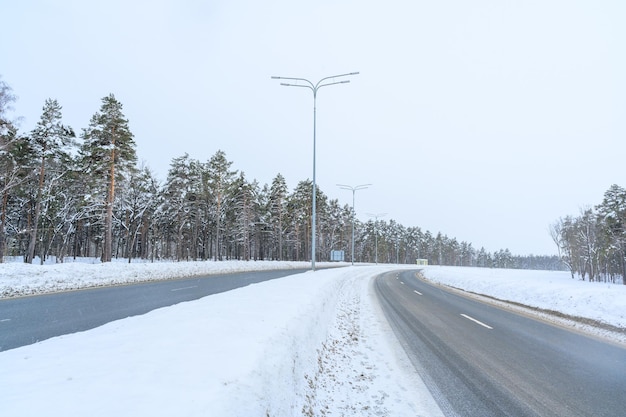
[480, 360]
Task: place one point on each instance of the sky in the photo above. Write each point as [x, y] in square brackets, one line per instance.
[273, 335]
[485, 120]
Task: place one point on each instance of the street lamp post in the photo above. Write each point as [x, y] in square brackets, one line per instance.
[376, 216]
[324, 82]
[354, 190]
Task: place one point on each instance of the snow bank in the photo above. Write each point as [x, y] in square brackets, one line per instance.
[18, 278]
[548, 290]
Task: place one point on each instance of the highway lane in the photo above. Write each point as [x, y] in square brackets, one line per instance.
[27, 320]
[480, 360]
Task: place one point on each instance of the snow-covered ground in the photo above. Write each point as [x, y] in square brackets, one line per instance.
[312, 344]
[18, 278]
[553, 291]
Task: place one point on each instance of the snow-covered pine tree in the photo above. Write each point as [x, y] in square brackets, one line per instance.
[181, 205]
[138, 202]
[49, 144]
[264, 246]
[277, 211]
[332, 224]
[245, 210]
[299, 204]
[108, 154]
[219, 180]
[612, 212]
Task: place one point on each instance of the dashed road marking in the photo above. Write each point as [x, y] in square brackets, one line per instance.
[477, 321]
[417, 292]
[184, 288]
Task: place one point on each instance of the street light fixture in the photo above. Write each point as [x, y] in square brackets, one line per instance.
[324, 82]
[354, 190]
[376, 216]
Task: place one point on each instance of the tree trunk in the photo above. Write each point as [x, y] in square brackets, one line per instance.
[622, 264]
[218, 255]
[30, 254]
[108, 220]
[3, 218]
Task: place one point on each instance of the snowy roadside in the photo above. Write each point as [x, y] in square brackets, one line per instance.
[595, 308]
[311, 344]
[18, 278]
[361, 369]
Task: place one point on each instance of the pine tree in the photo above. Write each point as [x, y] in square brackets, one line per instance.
[332, 224]
[612, 211]
[138, 202]
[49, 143]
[109, 154]
[245, 208]
[219, 179]
[299, 205]
[264, 241]
[277, 211]
[182, 199]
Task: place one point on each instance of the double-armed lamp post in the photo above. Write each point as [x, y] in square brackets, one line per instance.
[324, 82]
[354, 190]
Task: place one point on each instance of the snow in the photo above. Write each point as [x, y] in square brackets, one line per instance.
[18, 278]
[311, 344]
[547, 290]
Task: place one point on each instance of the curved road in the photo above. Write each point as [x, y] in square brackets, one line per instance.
[480, 360]
[27, 320]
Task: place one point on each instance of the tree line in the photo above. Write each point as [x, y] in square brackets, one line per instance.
[593, 244]
[65, 194]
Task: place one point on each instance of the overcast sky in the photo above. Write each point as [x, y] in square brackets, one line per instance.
[485, 120]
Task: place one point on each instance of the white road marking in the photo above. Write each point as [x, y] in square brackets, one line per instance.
[4, 320]
[476, 321]
[417, 292]
[184, 288]
[402, 282]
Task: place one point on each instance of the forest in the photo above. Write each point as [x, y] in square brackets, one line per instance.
[593, 244]
[68, 194]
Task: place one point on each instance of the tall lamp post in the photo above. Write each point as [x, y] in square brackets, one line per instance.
[324, 82]
[354, 190]
[376, 216]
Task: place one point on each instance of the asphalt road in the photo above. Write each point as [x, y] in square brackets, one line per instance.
[27, 320]
[480, 360]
